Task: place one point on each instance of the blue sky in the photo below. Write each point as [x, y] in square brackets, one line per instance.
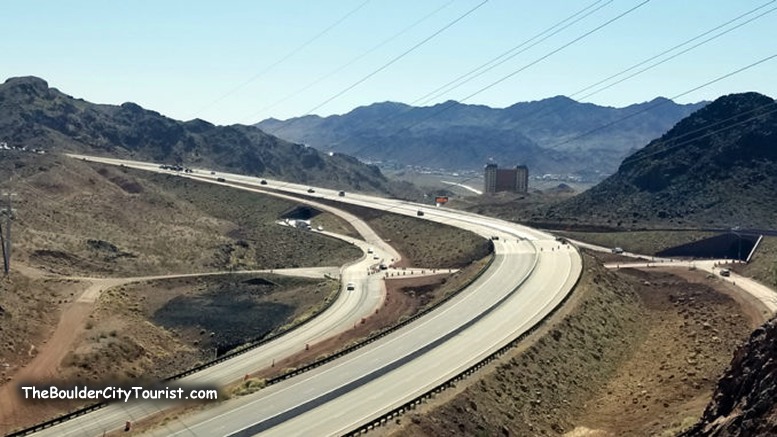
[220, 60]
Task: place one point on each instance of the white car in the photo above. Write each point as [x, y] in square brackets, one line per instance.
[369, 250]
[350, 286]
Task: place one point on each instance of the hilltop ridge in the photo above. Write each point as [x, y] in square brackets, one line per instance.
[35, 115]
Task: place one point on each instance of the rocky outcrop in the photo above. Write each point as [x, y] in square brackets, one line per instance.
[744, 401]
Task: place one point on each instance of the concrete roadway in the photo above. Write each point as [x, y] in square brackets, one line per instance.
[532, 273]
[344, 313]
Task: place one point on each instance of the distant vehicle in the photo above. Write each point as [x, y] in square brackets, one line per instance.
[351, 286]
[383, 266]
[263, 182]
[310, 190]
[221, 179]
[320, 228]
[375, 257]
[495, 237]
[369, 250]
[725, 272]
[341, 194]
[213, 172]
[617, 250]
[420, 213]
[188, 170]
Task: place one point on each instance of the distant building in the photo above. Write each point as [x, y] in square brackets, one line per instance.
[497, 179]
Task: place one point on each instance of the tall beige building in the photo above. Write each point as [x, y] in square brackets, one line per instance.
[497, 179]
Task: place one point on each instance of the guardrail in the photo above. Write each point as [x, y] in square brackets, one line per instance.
[244, 349]
[94, 407]
[373, 338]
[451, 382]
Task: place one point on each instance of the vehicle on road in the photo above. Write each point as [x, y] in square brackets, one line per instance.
[420, 213]
[725, 272]
[221, 179]
[383, 266]
[310, 190]
[617, 250]
[375, 257]
[341, 194]
[369, 250]
[213, 173]
[263, 182]
[350, 286]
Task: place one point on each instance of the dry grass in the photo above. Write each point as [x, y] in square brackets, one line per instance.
[75, 217]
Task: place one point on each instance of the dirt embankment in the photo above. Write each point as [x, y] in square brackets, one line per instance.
[632, 353]
[744, 400]
[536, 389]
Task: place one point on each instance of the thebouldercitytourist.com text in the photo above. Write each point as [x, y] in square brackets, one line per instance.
[123, 394]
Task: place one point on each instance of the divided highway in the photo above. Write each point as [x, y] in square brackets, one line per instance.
[530, 276]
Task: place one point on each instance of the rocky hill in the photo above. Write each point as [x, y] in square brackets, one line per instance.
[744, 401]
[541, 134]
[717, 167]
[34, 115]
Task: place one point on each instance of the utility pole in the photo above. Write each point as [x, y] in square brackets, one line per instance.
[5, 237]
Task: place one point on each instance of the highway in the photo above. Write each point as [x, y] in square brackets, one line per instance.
[532, 274]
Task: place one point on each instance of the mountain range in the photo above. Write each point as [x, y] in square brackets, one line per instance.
[555, 135]
[34, 115]
[716, 167]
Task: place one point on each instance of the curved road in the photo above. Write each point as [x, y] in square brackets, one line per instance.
[531, 275]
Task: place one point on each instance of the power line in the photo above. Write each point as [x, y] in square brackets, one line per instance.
[284, 58]
[561, 25]
[634, 158]
[553, 52]
[663, 102]
[354, 60]
[448, 106]
[390, 62]
[511, 53]
[676, 54]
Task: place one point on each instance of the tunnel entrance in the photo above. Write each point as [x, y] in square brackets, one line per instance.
[300, 212]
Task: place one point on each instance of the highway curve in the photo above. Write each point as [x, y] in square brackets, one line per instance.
[531, 275]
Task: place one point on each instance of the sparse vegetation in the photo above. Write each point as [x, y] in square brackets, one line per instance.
[637, 353]
[250, 385]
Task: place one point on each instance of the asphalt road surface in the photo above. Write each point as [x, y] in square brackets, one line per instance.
[532, 273]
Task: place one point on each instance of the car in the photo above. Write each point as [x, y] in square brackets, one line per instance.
[369, 250]
[495, 237]
[221, 179]
[213, 173]
[310, 190]
[383, 266]
[617, 250]
[420, 213]
[350, 286]
[341, 194]
[725, 272]
[263, 182]
[375, 257]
